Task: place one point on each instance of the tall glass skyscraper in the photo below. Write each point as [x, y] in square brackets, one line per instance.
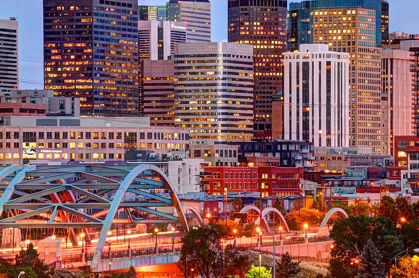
[261, 23]
[152, 13]
[91, 52]
[300, 18]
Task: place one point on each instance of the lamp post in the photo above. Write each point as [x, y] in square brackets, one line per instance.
[186, 265]
[82, 235]
[273, 252]
[27, 242]
[280, 238]
[129, 242]
[109, 245]
[143, 269]
[260, 262]
[156, 230]
[21, 273]
[110, 264]
[224, 256]
[258, 232]
[235, 233]
[173, 239]
[306, 239]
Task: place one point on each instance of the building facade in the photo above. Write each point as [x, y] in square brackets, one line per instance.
[270, 181]
[279, 153]
[37, 103]
[151, 13]
[23, 139]
[278, 116]
[9, 64]
[215, 154]
[197, 16]
[156, 39]
[157, 87]
[316, 89]
[262, 24]
[354, 31]
[397, 96]
[301, 20]
[91, 52]
[214, 91]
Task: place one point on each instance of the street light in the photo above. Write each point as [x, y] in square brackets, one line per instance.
[258, 230]
[156, 230]
[173, 239]
[143, 269]
[186, 265]
[280, 238]
[403, 220]
[110, 264]
[129, 243]
[235, 233]
[82, 235]
[53, 236]
[306, 239]
[260, 262]
[21, 273]
[27, 243]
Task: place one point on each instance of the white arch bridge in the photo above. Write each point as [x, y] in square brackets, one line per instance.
[87, 197]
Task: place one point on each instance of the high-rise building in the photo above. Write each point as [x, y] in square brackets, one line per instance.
[352, 30]
[157, 87]
[316, 89]
[91, 51]
[150, 13]
[156, 39]
[396, 96]
[197, 16]
[300, 21]
[262, 24]
[214, 91]
[413, 47]
[9, 64]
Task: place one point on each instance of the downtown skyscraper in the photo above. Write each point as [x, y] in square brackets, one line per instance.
[9, 65]
[261, 23]
[91, 52]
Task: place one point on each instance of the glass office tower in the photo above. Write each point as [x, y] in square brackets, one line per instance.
[91, 52]
[300, 18]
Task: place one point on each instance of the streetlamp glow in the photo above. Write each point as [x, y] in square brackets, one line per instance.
[129, 232]
[156, 230]
[403, 219]
[109, 233]
[82, 235]
[53, 236]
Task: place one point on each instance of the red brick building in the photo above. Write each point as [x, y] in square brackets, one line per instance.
[271, 181]
[402, 146]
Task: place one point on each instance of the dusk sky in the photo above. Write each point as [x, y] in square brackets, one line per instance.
[403, 16]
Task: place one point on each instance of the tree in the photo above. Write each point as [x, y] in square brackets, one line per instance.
[408, 267]
[404, 209]
[319, 203]
[202, 248]
[296, 219]
[254, 272]
[388, 209]
[13, 272]
[278, 206]
[30, 258]
[237, 204]
[286, 268]
[371, 265]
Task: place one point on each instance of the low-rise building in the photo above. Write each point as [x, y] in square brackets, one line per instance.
[23, 139]
[215, 154]
[280, 153]
[270, 181]
[37, 103]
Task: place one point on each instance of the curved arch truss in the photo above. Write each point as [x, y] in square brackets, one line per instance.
[87, 197]
[330, 214]
[265, 213]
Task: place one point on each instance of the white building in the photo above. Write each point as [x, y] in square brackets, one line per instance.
[9, 64]
[197, 16]
[316, 90]
[157, 39]
[214, 91]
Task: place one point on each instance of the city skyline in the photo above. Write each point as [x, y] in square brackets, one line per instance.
[29, 15]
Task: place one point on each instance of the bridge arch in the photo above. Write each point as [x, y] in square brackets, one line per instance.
[330, 213]
[195, 212]
[268, 210]
[99, 188]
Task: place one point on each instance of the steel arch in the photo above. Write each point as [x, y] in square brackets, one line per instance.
[330, 213]
[266, 212]
[195, 212]
[81, 197]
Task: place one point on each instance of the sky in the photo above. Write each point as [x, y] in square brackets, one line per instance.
[404, 16]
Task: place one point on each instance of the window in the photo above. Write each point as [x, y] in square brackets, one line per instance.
[402, 144]
[49, 135]
[57, 135]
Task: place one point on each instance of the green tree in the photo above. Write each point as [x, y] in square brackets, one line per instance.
[30, 258]
[404, 209]
[296, 219]
[278, 205]
[388, 209]
[13, 272]
[237, 204]
[286, 268]
[254, 272]
[371, 265]
[202, 247]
